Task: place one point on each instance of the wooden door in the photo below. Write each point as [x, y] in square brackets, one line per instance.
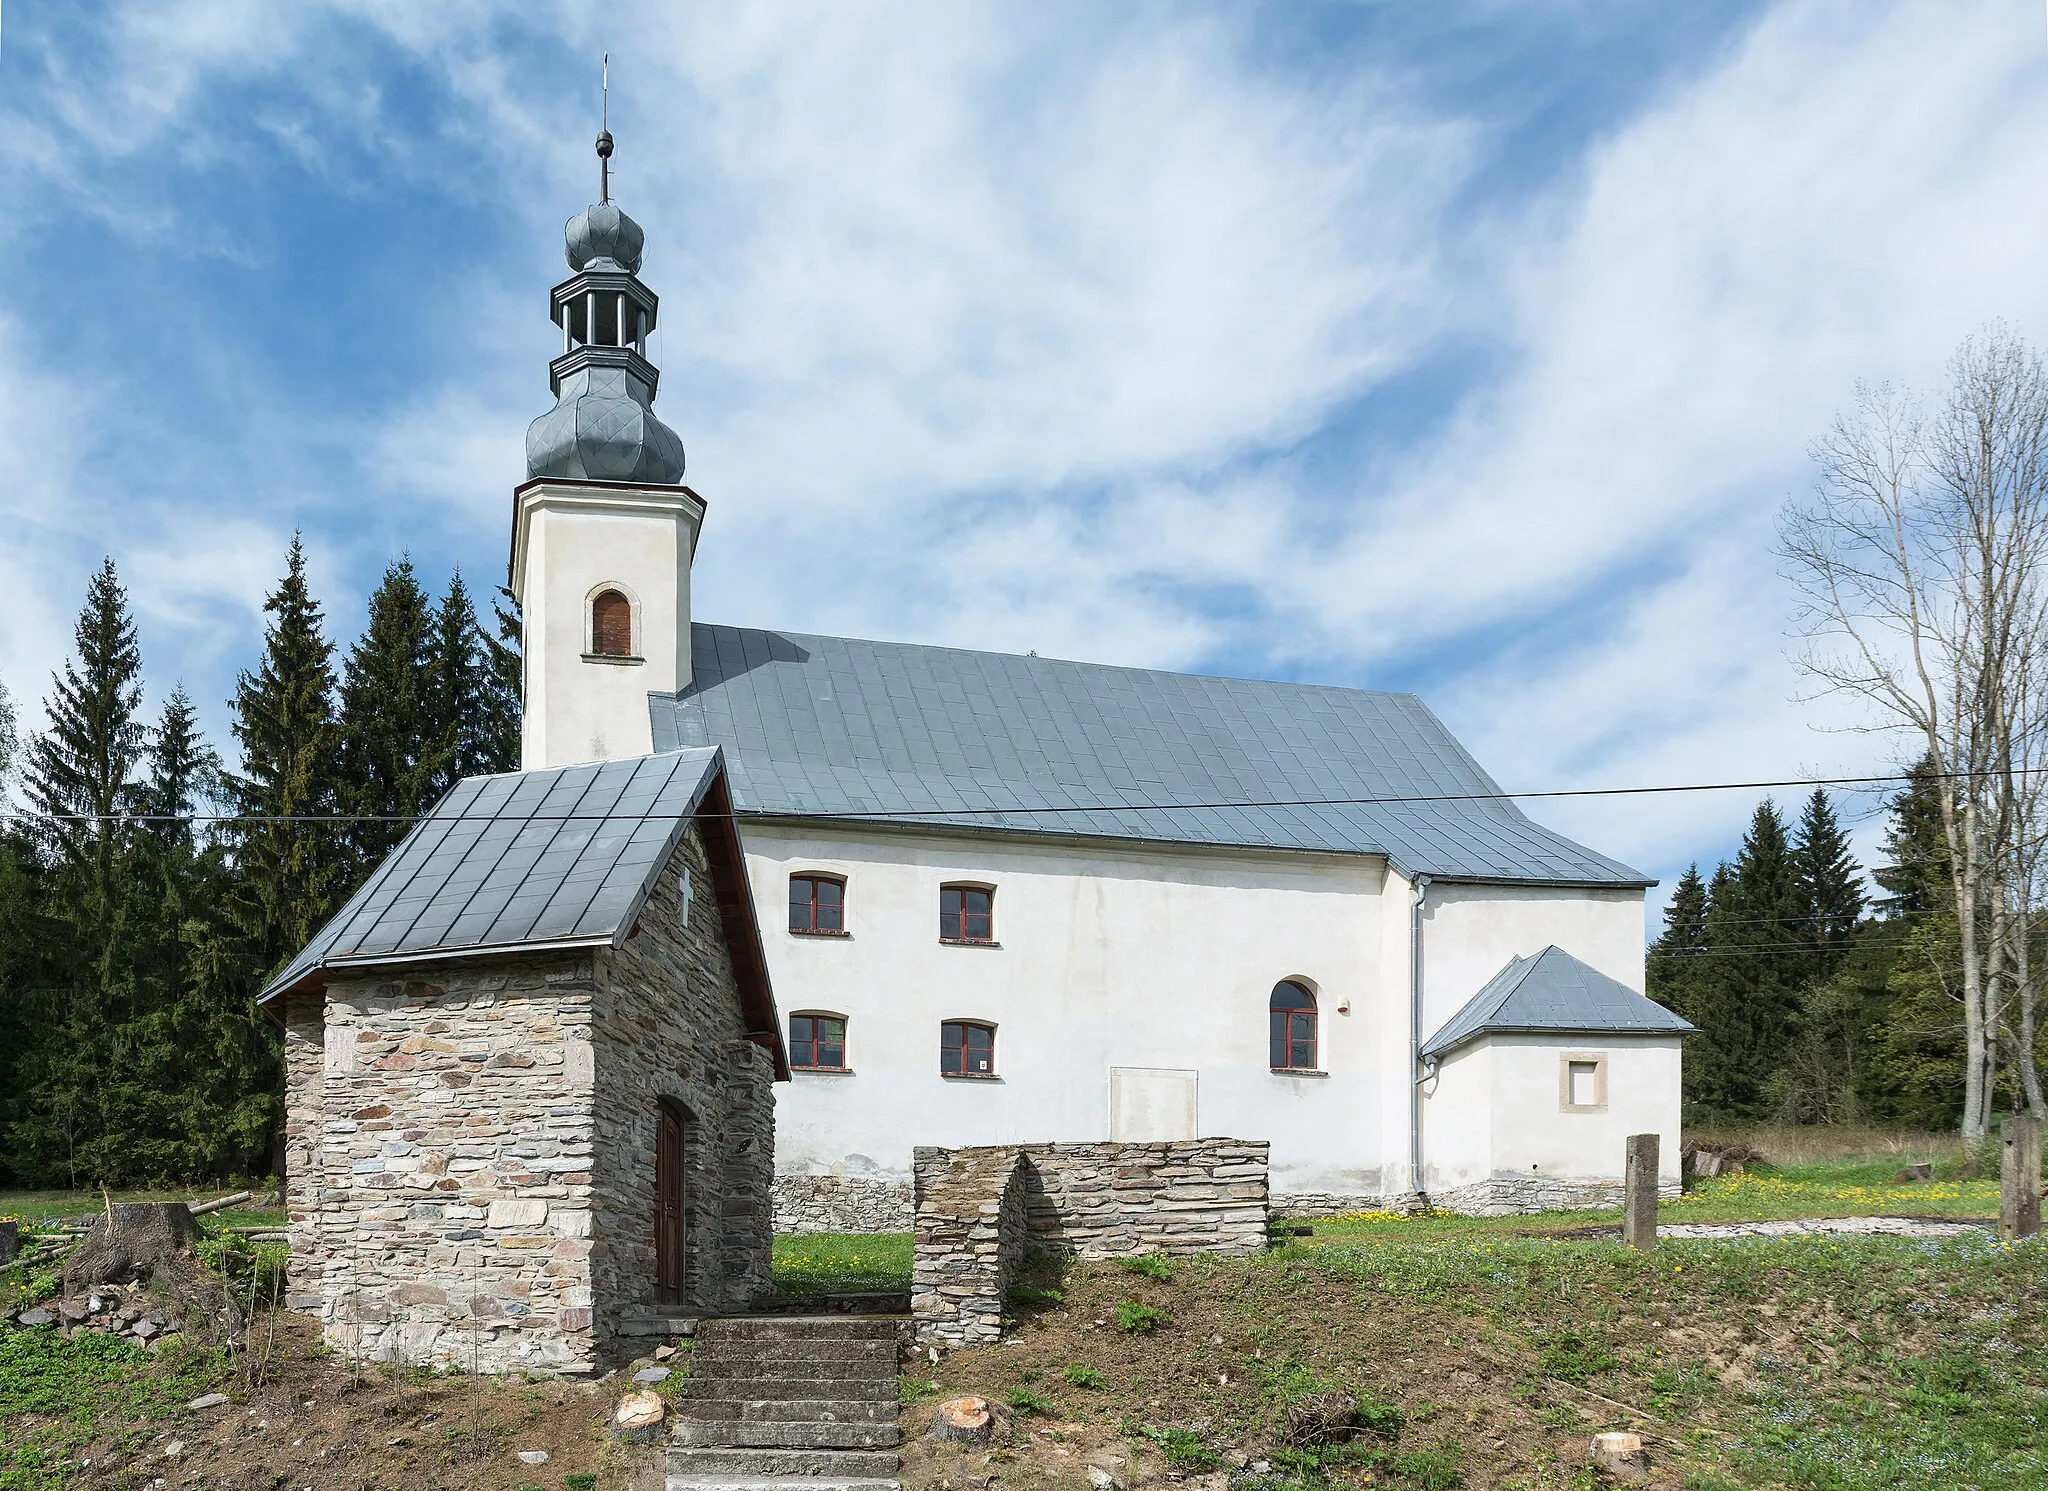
[668, 1215]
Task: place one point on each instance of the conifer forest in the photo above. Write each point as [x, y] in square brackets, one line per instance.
[155, 879]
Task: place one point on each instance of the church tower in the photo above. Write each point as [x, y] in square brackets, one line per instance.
[603, 530]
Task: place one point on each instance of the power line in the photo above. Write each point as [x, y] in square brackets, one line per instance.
[915, 814]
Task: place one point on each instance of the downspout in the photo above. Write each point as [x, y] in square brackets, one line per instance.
[1415, 1074]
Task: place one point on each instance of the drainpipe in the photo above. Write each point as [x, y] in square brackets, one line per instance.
[1415, 1077]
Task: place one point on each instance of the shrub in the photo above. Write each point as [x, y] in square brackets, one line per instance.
[1151, 1265]
[1084, 1377]
[1383, 1419]
[579, 1480]
[1138, 1317]
[1183, 1448]
[1026, 1401]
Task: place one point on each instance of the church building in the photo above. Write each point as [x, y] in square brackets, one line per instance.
[1034, 900]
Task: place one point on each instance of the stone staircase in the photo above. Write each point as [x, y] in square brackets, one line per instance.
[789, 1401]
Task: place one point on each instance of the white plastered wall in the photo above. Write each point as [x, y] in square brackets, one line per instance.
[1496, 1108]
[571, 540]
[1145, 956]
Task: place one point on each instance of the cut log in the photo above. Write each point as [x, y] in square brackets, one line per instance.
[222, 1204]
[10, 1242]
[154, 1244]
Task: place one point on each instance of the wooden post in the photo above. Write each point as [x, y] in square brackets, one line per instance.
[2019, 1178]
[1639, 1205]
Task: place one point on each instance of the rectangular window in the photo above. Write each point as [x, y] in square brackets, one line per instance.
[817, 1042]
[817, 905]
[966, 914]
[1582, 1082]
[967, 1050]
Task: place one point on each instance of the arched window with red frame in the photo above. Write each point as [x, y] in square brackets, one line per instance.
[817, 905]
[611, 625]
[967, 913]
[817, 1042]
[967, 1048]
[1294, 1042]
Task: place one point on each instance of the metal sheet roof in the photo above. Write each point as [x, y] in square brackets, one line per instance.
[1554, 992]
[523, 861]
[938, 735]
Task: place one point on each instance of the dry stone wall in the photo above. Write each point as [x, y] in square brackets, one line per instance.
[979, 1209]
[470, 1146]
[842, 1203]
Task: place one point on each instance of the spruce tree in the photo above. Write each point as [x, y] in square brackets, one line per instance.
[504, 689]
[81, 770]
[466, 700]
[1830, 884]
[1917, 877]
[287, 861]
[1674, 956]
[390, 761]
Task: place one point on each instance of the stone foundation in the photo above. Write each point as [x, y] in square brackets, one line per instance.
[978, 1210]
[1512, 1195]
[1306, 1206]
[839, 1203]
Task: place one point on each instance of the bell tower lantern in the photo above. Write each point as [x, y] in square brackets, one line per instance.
[603, 530]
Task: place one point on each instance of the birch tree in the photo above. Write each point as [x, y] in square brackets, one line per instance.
[1922, 560]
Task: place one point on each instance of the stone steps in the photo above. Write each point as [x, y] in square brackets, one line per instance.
[793, 1410]
[789, 1403]
[754, 1463]
[734, 1433]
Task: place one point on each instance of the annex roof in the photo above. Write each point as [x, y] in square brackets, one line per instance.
[895, 732]
[533, 861]
[1554, 993]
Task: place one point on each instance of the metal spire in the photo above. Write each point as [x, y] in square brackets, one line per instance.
[604, 135]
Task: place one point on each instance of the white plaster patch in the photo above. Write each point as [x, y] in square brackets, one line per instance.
[579, 1063]
[341, 1049]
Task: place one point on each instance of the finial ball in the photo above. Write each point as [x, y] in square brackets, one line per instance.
[604, 145]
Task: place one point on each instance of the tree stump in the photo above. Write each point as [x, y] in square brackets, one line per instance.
[638, 1418]
[1321, 1421]
[1621, 1456]
[10, 1242]
[963, 1421]
[154, 1244]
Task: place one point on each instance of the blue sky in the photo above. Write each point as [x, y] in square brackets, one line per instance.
[1463, 349]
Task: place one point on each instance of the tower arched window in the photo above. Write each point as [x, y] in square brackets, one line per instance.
[1294, 1045]
[611, 625]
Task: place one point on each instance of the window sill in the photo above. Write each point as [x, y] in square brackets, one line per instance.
[616, 662]
[1582, 1108]
[1297, 1071]
[823, 1071]
[818, 932]
[968, 942]
[969, 1077]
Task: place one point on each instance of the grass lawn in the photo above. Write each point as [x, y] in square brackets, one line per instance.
[55, 1206]
[842, 1263]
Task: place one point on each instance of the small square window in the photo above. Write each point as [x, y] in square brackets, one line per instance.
[1582, 1082]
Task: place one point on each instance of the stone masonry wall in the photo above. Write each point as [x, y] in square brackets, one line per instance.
[441, 1214]
[978, 1209]
[841, 1203]
[971, 1236]
[1112, 1200]
[668, 1025]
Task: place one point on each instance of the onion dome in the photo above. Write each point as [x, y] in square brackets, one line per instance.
[603, 426]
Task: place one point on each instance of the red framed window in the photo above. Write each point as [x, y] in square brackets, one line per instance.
[967, 913]
[611, 625]
[1294, 1027]
[817, 905]
[817, 1042]
[967, 1048]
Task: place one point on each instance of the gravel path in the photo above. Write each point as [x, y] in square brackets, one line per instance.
[1891, 1226]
